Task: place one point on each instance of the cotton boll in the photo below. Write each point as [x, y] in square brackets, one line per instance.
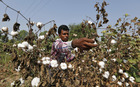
[47, 33]
[34, 46]
[47, 58]
[131, 79]
[119, 83]
[21, 80]
[113, 41]
[126, 74]
[100, 70]
[5, 29]
[126, 84]
[106, 74]
[20, 45]
[18, 69]
[63, 66]
[109, 50]
[25, 43]
[14, 33]
[30, 48]
[121, 71]
[123, 79]
[14, 45]
[76, 49]
[54, 63]
[13, 83]
[114, 78]
[93, 59]
[95, 43]
[39, 25]
[41, 37]
[89, 22]
[104, 59]
[70, 66]
[101, 64]
[46, 62]
[125, 61]
[35, 82]
[38, 61]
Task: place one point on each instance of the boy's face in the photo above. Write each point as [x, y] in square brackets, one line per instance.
[64, 35]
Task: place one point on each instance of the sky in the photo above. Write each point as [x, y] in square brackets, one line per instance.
[64, 11]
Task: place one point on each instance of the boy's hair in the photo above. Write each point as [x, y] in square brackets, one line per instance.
[63, 27]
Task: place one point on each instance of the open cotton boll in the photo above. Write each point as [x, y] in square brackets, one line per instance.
[25, 43]
[119, 83]
[4, 29]
[114, 78]
[14, 33]
[20, 45]
[113, 41]
[18, 69]
[104, 59]
[13, 83]
[63, 66]
[54, 63]
[95, 42]
[101, 64]
[21, 80]
[126, 74]
[35, 82]
[30, 48]
[121, 71]
[41, 37]
[114, 59]
[106, 74]
[89, 22]
[126, 84]
[76, 49]
[14, 45]
[39, 24]
[131, 79]
[70, 66]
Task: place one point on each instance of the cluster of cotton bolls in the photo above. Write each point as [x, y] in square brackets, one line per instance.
[25, 46]
[106, 74]
[53, 63]
[13, 33]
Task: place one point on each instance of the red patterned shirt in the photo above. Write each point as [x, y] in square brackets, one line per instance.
[62, 50]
